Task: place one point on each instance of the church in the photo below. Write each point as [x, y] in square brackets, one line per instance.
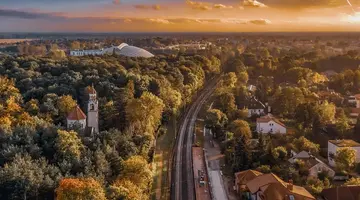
[89, 122]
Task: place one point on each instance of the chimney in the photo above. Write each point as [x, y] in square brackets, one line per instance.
[290, 185]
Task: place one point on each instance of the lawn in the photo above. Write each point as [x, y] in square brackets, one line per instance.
[163, 155]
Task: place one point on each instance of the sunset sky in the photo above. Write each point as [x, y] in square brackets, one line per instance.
[179, 15]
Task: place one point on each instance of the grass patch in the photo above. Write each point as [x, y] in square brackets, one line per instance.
[163, 150]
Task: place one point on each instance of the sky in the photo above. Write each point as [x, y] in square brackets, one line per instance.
[179, 15]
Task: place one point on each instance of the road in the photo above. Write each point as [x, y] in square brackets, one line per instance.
[182, 181]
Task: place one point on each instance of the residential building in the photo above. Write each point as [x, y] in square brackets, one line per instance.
[313, 164]
[256, 186]
[269, 124]
[355, 100]
[334, 145]
[354, 115]
[77, 118]
[341, 193]
[256, 108]
[243, 177]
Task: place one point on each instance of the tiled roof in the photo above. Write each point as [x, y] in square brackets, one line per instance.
[267, 118]
[341, 193]
[276, 189]
[345, 143]
[357, 96]
[355, 110]
[244, 177]
[76, 114]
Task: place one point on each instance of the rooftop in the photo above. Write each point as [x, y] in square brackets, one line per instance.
[267, 118]
[345, 143]
[342, 193]
[76, 114]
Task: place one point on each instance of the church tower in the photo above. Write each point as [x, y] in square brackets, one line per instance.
[92, 109]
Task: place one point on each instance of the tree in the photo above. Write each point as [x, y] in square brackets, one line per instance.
[229, 80]
[303, 144]
[79, 189]
[65, 104]
[136, 170]
[241, 129]
[353, 181]
[285, 100]
[215, 118]
[243, 78]
[75, 45]
[144, 114]
[126, 190]
[242, 155]
[225, 101]
[345, 158]
[279, 153]
[68, 144]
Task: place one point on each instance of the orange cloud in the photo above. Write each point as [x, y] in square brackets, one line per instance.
[260, 22]
[253, 4]
[148, 7]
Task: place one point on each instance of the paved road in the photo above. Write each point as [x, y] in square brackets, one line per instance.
[182, 186]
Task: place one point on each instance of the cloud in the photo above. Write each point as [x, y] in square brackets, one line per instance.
[159, 21]
[253, 4]
[301, 4]
[127, 21]
[197, 5]
[27, 15]
[222, 6]
[260, 22]
[147, 7]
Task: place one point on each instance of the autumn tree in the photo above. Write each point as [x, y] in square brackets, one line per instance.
[215, 118]
[126, 190]
[241, 128]
[144, 113]
[303, 144]
[345, 158]
[68, 144]
[136, 170]
[353, 181]
[79, 189]
[65, 104]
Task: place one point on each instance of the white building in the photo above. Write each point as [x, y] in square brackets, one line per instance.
[123, 49]
[334, 145]
[77, 118]
[313, 164]
[269, 124]
[256, 107]
[355, 100]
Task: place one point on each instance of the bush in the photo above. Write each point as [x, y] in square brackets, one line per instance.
[264, 169]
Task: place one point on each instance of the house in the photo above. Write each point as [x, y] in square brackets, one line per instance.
[355, 100]
[270, 186]
[354, 115]
[341, 193]
[334, 145]
[269, 124]
[241, 178]
[256, 108]
[313, 164]
[77, 118]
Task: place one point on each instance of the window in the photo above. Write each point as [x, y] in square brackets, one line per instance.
[92, 107]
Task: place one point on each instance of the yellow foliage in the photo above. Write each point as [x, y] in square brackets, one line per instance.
[65, 104]
[127, 190]
[136, 169]
[69, 144]
[79, 189]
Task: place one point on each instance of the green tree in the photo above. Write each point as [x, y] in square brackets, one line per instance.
[279, 153]
[215, 118]
[242, 156]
